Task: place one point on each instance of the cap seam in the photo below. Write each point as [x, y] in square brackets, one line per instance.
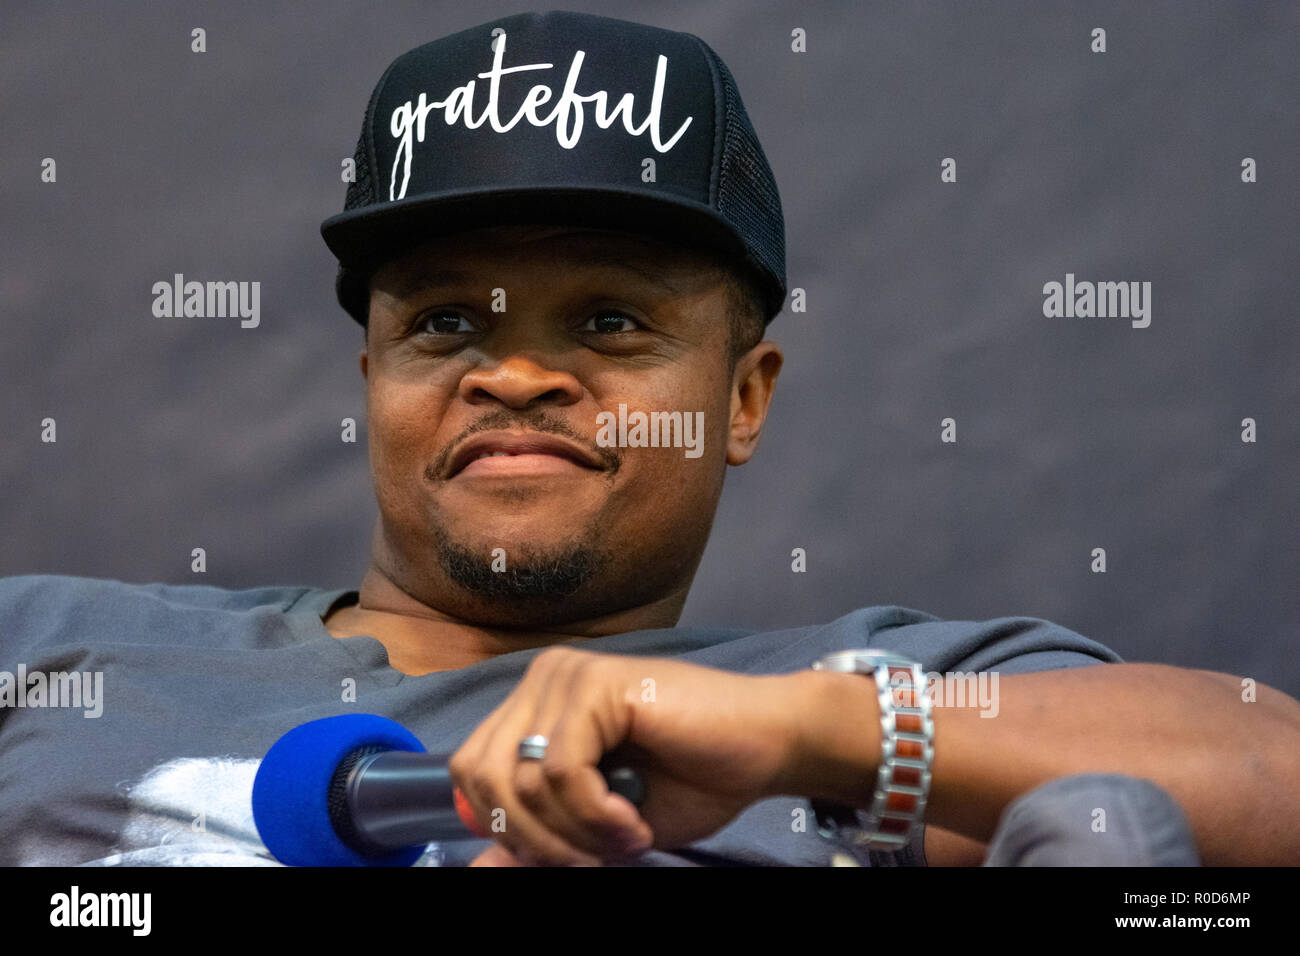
[372, 155]
[715, 159]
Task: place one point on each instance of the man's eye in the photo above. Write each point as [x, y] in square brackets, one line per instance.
[443, 322]
[610, 320]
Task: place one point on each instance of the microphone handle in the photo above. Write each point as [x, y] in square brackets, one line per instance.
[399, 798]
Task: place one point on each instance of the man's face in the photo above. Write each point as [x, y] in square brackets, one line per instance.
[489, 357]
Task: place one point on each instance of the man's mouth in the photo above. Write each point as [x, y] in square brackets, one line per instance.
[519, 454]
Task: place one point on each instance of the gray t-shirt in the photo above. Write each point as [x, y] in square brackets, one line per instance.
[155, 762]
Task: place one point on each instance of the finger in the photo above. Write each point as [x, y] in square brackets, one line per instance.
[523, 697]
[574, 797]
[469, 761]
[488, 781]
[564, 790]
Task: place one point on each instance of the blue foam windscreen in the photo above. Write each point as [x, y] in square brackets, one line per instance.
[291, 790]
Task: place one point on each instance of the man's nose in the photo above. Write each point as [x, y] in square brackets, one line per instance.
[519, 382]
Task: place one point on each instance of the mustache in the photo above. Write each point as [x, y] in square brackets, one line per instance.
[537, 420]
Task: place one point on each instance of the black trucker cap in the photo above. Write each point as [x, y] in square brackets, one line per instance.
[566, 119]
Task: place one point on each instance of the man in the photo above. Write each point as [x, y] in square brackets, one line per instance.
[561, 223]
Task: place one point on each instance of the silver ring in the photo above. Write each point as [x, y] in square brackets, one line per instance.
[533, 748]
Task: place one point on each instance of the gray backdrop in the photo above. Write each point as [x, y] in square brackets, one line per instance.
[924, 302]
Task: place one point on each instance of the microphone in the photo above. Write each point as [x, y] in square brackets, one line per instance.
[360, 790]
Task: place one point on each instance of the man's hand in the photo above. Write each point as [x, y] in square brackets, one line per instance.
[710, 742]
[707, 742]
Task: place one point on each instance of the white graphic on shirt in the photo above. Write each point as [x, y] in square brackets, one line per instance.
[198, 811]
[407, 124]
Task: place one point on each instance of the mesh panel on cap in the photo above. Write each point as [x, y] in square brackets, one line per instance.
[352, 286]
[747, 195]
[361, 192]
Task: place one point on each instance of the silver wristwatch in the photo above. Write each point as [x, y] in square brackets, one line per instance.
[907, 752]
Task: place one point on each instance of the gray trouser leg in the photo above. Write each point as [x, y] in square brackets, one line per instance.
[1093, 819]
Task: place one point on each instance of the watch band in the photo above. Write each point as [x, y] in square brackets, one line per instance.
[907, 753]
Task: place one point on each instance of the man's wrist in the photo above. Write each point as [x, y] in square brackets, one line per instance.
[836, 747]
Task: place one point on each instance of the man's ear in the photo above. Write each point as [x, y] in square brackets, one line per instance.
[752, 385]
[364, 373]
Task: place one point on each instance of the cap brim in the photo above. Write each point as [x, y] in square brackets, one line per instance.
[363, 239]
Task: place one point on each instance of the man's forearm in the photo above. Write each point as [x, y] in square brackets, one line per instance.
[1233, 766]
